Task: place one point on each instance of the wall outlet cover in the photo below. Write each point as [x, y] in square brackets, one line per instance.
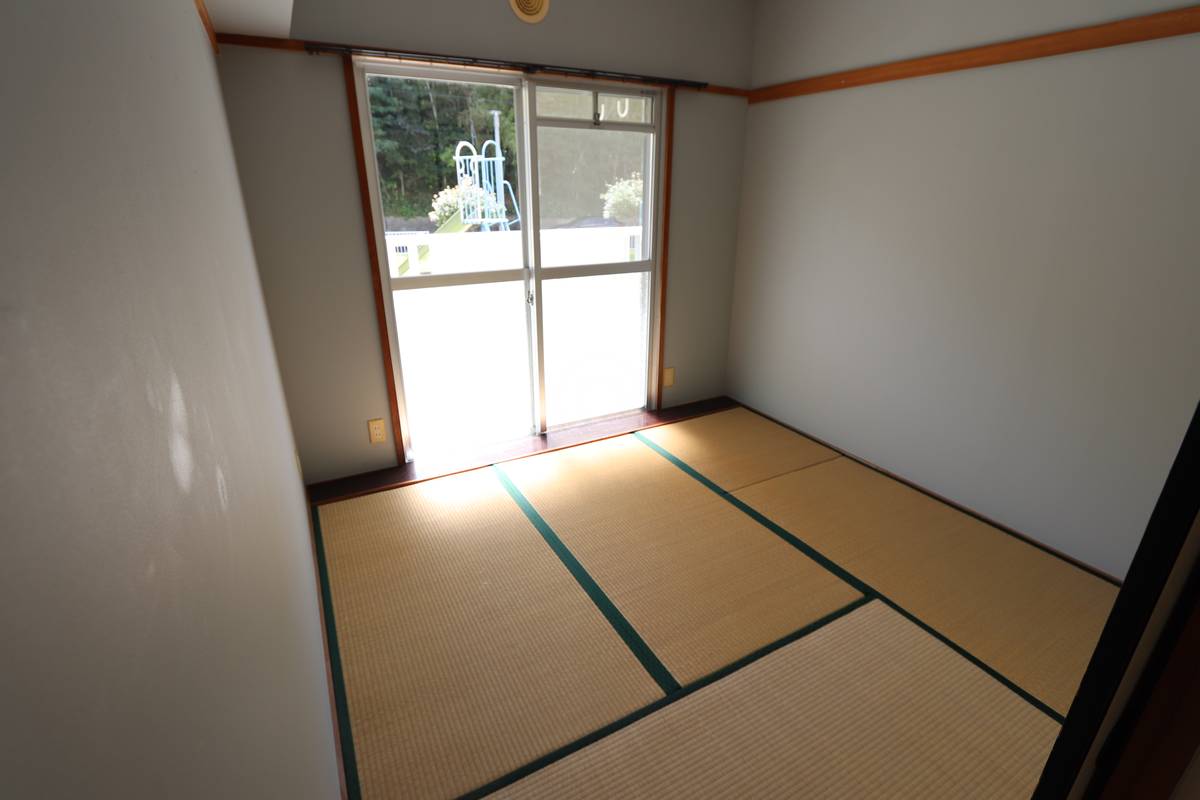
[668, 377]
[377, 431]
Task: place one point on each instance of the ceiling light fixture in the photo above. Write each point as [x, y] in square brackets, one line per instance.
[531, 11]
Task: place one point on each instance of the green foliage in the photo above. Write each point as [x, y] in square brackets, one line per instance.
[623, 200]
[417, 124]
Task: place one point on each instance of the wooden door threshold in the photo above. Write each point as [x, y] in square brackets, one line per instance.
[556, 439]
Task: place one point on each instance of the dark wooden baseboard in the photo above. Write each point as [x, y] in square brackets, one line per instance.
[555, 439]
[618, 425]
[1099, 573]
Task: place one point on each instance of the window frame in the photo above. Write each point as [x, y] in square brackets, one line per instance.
[531, 271]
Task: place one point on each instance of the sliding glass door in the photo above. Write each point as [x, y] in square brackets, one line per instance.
[515, 223]
[594, 168]
[445, 160]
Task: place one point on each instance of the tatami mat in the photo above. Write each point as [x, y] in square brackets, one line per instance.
[736, 448]
[701, 582]
[869, 706]
[467, 648]
[1032, 617]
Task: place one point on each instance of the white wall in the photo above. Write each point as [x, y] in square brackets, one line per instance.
[706, 182]
[253, 17]
[158, 608]
[986, 282]
[290, 125]
[801, 38]
[704, 40]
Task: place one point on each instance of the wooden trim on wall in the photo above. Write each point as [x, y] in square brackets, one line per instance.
[1165, 24]
[713, 88]
[668, 157]
[1178, 22]
[470, 62]
[329, 48]
[364, 190]
[206, 21]
[269, 42]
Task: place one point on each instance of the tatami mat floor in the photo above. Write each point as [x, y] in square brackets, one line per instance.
[714, 608]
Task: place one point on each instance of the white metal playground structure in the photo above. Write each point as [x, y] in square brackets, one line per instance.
[487, 203]
[481, 184]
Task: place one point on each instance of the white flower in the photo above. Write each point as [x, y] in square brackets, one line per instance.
[623, 200]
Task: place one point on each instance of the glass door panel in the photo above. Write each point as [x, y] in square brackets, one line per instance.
[465, 357]
[555, 101]
[447, 174]
[593, 195]
[595, 179]
[505, 321]
[447, 168]
[625, 108]
[596, 339]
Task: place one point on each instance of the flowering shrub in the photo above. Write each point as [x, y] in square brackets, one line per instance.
[623, 200]
[445, 203]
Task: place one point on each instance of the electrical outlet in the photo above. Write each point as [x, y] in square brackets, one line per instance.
[377, 431]
[668, 377]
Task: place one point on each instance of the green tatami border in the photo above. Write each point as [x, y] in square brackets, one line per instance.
[341, 707]
[616, 619]
[645, 711]
[864, 587]
[672, 689]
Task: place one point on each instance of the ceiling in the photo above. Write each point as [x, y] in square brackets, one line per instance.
[254, 17]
